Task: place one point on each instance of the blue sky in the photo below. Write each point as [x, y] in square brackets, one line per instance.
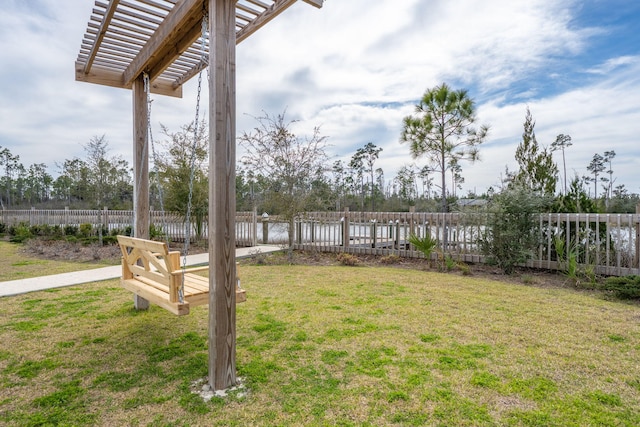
[356, 68]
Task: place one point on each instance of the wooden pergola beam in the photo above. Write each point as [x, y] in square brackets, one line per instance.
[271, 12]
[165, 44]
[316, 3]
[110, 77]
[111, 9]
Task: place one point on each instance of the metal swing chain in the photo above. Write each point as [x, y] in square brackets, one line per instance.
[192, 162]
[147, 89]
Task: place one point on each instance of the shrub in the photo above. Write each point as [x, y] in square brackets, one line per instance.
[426, 244]
[3, 228]
[41, 230]
[449, 262]
[390, 259]
[109, 240]
[626, 287]
[70, 230]
[57, 231]
[85, 230]
[348, 259]
[20, 233]
[464, 269]
[155, 232]
[512, 232]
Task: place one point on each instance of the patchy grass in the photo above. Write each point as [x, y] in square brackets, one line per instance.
[328, 345]
[15, 264]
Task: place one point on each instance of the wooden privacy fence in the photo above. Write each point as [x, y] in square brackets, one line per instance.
[607, 243]
[169, 223]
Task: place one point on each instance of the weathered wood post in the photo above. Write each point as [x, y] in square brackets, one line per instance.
[299, 232]
[345, 228]
[254, 224]
[412, 227]
[638, 237]
[265, 228]
[140, 171]
[222, 195]
[374, 233]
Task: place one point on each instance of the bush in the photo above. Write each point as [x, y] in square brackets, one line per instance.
[109, 240]
[70, 230]
[3, 228]
[85, 230]
[20, 233]
[390, 259]
[426, 244]
[348, 259]
[626, 287]
[41, 230]
[57, 231]
[155, 232]
[512, 232]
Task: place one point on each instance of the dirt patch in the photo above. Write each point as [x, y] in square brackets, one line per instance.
[63, 250]
[80, 252]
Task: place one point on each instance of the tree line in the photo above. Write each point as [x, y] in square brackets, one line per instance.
[285, 173]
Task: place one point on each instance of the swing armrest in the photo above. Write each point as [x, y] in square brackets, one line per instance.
[190, 270]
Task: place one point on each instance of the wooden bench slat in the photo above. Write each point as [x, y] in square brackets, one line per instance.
[156, 296]
[153, 272]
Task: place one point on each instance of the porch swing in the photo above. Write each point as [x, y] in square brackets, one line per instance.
[149, 269]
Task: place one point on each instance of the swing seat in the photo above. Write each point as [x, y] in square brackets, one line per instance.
[153, 272]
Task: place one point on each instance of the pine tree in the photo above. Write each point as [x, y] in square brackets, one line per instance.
[538, 172]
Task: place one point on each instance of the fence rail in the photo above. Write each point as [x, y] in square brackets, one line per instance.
[169, 223]
[607, 243]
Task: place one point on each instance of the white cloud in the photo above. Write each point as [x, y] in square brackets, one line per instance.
[355, 68]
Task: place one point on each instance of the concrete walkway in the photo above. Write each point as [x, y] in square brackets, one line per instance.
[22, 286]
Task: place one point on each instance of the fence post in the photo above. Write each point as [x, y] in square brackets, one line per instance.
[299, 231]
[345, 228]
[374, 233]
[254, 226]
[105, 219]
[265, 228]
[312, 231]
[412, 226]
[638, 237]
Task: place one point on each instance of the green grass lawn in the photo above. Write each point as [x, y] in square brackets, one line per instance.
[16, 265]
[327, 346]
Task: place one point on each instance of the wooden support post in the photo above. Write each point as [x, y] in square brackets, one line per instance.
[140, 171]
[638, 237]
[222, 196]
[265, 228]
[373, 233]
[345, 229]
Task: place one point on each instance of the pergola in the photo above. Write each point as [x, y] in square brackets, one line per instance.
[128, 39]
